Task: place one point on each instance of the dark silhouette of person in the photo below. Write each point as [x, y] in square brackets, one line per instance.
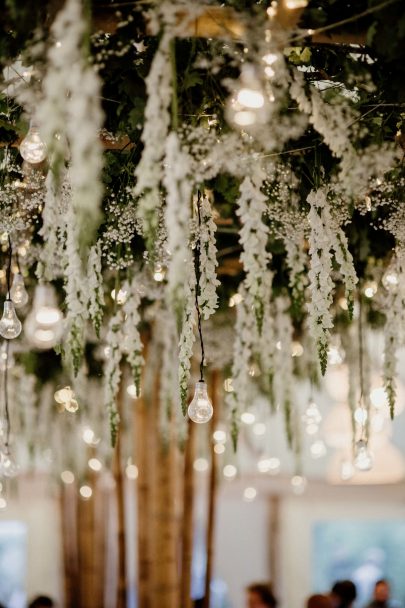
[343, 594]
[382, 595]
[319, 601]
[260, 595]
[42, 601]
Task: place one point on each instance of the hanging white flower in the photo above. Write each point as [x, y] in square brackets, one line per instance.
[70, 112]
[76, 296]
[283, 364]
[207, 297]
[95, 287]
[245, 337]
[57, 200]
[326, 236]
[177, 217]
[112, 371]
[254, 236]
[186, 342]
[265, 345]
[149, 172]
[132, 342]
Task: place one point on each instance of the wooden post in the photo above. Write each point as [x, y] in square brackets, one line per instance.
[212, 495]
[86, 530]
[121, 527]
[68, 512]
[187, 528]
[274, 547]
[143, 459]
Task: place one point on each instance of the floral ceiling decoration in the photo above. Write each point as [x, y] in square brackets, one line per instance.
[161, 183]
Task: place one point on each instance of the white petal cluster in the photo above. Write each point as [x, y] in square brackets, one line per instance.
[112, 370]
[326, 237]
[283, 364]
[254, 236]
[70, 112]
[132, 341]
[207, 297]
[186, 342]
[177, 218]
[149, 172]
[95, 287]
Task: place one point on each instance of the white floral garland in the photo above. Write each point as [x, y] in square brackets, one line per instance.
[283, 365]
[254, 236]
[149, 171]
[177, 219]
[325, 236]
[132, 342]
[71, 110]
[186, 342]
[207, 297]
[112, 371]
[95, 287]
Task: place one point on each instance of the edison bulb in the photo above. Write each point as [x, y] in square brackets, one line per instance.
[363, 460]
[200, 409]
[44, 324]
[71, 406]
[63, 395]
[8, 466]
[10, 324]
[18, 293]
[32, 148]
[159, 272]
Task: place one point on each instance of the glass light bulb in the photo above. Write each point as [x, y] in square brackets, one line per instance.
[251, 98]
[159, 272]
[200, 409]
[32, 148]
[18, 293]
[10, 325]
[390, 280]
[363, 460]
[8, 466]
[44, 324]
[71, 406]
[63, 395]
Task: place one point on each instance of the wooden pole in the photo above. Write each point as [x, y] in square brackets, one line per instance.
[187, 520]
[68, 510]
[274, 547]
[86, 531]
[212, 492]
[121, 527]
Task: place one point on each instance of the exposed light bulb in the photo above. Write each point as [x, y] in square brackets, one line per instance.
[363, 460]
[71, 406]
[295, 4]
[250, 98]
[18, 293]
[63, 394]
[390, 280]
[370, 289]
[44, 324]
[32, 148]
[159, 272]
[200, 409]
[85, 492]
[10, 324]
[8, 466]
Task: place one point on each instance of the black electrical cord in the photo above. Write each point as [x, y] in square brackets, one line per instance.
[197, 256]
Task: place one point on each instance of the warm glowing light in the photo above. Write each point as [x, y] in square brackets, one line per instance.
[95, 464]
[200, 409]
[200, 465]
[67, 477]
[131, 471]
[295, 4]
[86, 492]
[219, 436]
[230, 471]
[318, 448]
[297, 349]
[248, 418]
[131, 390]
[120, 297]
[88, 436]
[235, 299]
[370, 289]
[63, 395]
[219, 448]
[250, 98]
[249, 494]
[245, 118]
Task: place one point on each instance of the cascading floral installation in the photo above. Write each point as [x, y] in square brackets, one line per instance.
[298, 185]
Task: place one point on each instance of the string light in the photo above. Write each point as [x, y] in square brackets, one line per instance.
[32, 148]
[159, 272]
[86, 492]
[200, 409]
[229, 471]
[10, 325]
[18, 293]
[44, 325]
[65, 397]
[67, 477]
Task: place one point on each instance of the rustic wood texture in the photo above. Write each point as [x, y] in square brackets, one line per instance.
[68, 511]
[187, 527]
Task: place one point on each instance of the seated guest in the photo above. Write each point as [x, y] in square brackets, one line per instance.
[260, 595]
[319, 601]
[42, 601]
[382, 594]
[343, 594]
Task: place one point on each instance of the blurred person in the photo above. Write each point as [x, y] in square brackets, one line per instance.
[382, 595]
[260, 595]
[319, 601]
[42, 601]
[343, 594]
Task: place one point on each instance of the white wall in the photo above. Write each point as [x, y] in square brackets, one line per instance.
[40, 513]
